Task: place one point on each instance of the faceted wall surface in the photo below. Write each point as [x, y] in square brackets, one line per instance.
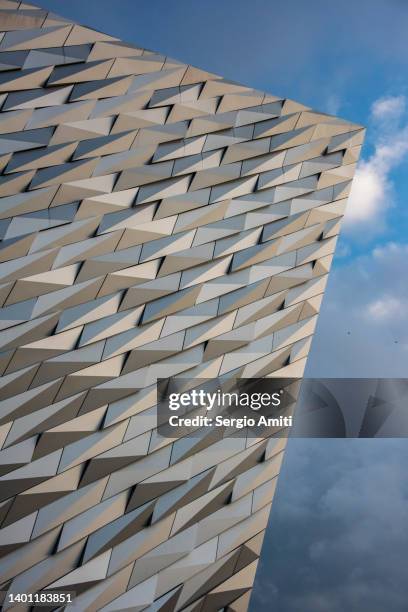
[156, 220]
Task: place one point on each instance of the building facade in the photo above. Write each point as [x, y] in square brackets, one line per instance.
[156, 220]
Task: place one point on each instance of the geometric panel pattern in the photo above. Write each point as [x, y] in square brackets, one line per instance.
[155, 220]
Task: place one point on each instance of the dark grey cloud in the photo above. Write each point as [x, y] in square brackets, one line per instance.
[338, 536]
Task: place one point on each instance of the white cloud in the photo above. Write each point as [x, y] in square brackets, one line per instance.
[391, 250]
[362, 328]
[393, 106]
[333, 104]
[367, 193]
[372, 190]
[386, 308]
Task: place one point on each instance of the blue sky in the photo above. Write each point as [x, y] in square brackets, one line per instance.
[336, 541]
